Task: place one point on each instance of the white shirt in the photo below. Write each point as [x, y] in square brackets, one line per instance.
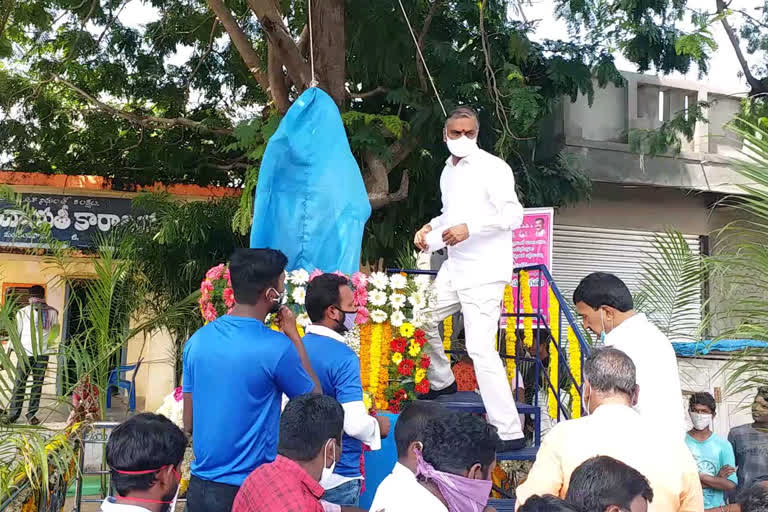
[401, 492]
[479, 191]
[109, 505]
[357, 422]
[24, 325]
[661, 397]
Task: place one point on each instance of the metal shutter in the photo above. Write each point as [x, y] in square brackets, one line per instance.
[579, 251]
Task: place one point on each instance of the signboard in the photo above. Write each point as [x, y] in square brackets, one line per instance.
[533, 246]
[74, 219]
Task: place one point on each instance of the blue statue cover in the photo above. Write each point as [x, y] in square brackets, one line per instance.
[311, 202]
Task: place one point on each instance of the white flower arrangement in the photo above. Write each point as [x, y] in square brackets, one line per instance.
[377, 298]
[299, 295]
[398, 282]
[397, 300]
[173, 408]
[397, 318]
[299, 277]
[303, 320]
[378, 316]
[379, 280]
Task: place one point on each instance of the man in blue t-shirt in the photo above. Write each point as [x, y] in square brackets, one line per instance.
[714, 454]
[331, 307]
[236, 370]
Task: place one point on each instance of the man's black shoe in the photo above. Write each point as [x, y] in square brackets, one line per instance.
[510, 445]
[434, 393]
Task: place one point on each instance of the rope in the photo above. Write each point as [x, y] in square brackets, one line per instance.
[418, 50]
[312, 82]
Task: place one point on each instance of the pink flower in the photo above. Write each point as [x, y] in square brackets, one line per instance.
[314, 274]
[206, 288]
[361, 296]
[178, 394]
[209, 313]
[227, 277]
[229, 311]
[229, 297]
[215, 272]
[362, 316]
[340, 274]
[359, 280]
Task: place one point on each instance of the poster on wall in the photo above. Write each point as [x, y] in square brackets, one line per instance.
[533, 246]
[74, 219]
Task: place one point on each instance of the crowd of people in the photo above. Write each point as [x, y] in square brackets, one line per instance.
[629, 453]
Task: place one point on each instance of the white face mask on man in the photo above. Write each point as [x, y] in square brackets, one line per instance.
[461, 147]
[328, 472]
[701, 421]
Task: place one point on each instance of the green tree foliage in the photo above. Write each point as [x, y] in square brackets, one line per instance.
[82, 91]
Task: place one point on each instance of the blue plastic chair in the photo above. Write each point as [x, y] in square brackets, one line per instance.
[115, 381]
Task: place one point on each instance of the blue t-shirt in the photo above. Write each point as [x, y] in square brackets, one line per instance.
[711, 455]
[237, 369]
[338, 370]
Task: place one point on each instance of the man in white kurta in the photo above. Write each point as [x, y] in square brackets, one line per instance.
[605, 306]
[480, 213]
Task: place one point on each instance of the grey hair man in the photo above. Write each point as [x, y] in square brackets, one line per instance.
[480, 213]
[613, 428]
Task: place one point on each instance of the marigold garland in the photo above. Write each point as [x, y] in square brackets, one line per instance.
[510, 339]
[574, 361]
[447, 333]
[386, 341]
[375, 355]
[366, 331]
[525, 297]
[554, 356]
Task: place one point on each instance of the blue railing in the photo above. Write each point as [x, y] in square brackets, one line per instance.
[544, 278]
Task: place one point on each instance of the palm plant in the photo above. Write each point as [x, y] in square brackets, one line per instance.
[671, 285]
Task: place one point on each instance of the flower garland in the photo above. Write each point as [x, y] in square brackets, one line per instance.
[375, 355]
[574, 361]
[366, 333]
[386, 340]
[510, 338]
[447, 334]
[554, 356]
[408, 373]
[525, 297]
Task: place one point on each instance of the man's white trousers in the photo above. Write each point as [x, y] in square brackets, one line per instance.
[481, 306]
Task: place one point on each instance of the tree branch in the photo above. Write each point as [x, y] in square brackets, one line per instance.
[241, 42]
[205, 54]
[303, 43]
[373, 92]
[277, 85]
[145, 121]
[424, 29]
[755, 85]
[381, 199]
[288, 52]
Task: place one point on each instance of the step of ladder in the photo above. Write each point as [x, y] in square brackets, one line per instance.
[469, 401]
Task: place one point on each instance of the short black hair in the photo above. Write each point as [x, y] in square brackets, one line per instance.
[601, 289]
[144, 442]
[36, 291]
[609, 370]
[603, 481]
[254, 270]
[453, 443]
[754, 499]
[546, 503]
[703, 398]
[323, 291]
[412, 421]
[307, 422]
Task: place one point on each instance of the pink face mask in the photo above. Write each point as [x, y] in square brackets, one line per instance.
[460, 493]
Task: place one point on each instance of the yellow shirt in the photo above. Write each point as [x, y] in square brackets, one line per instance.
[619, 432]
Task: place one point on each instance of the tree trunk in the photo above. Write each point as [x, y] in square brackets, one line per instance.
[329, 44]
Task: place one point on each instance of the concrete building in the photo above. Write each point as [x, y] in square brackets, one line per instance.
[78, 207]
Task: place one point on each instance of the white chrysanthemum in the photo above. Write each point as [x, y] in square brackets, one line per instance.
[397, 282]
[352, 339]
[397, 300]
[299, 295]
[172, 410]
[423, 281]
[303, 320]
[377, 298]
[397, 318]
[299, 277]
[379, 280]
[417, 300]
[378, 316]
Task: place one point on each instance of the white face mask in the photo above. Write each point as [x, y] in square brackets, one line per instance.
[328, 472]
[461, 147]
[172, 506]
[701, 421]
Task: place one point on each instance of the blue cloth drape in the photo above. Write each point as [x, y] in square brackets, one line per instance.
[311, 202]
